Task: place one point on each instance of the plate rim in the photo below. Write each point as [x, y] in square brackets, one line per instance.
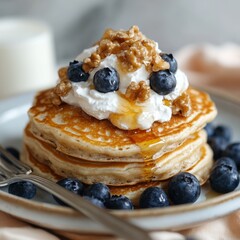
[139, 214]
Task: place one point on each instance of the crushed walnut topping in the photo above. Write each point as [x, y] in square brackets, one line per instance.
[63, 87]
[132, 49]
[138, 91]
[182, 105]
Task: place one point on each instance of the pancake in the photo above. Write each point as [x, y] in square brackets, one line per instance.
[201, 170]
[72, 132]
[117, 173]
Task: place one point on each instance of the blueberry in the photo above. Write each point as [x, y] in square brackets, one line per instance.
[153, 197]
[99, 191]
[95, 201]
[71, 184]
[106, 80]
[171, 60]
[162, 82]
[225, 161]
[75, 72]
[218, 145]
[223, 132]
[119, 202]
[224, 177]
[209, 128]
[233, 151]
[23, 189]
[14, 152]
[184, 188]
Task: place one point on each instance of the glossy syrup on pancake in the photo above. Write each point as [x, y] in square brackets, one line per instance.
[150, 144]
[201, 170]
[75, 123]
[116, 173]
[102, 137]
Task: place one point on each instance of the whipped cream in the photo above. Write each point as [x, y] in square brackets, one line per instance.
[118, 110]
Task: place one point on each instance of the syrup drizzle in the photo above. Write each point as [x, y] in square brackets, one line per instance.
[74, 122]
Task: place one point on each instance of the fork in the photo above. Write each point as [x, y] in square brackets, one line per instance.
[12, 170]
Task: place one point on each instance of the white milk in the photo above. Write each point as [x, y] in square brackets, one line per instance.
[27, 60]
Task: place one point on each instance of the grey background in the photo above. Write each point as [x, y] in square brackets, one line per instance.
[77, 24]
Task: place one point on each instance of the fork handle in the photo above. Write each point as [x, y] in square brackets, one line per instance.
[115, 224]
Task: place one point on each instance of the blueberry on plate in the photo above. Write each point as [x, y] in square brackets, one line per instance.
[106, 80]
[95, 201]
[224, 176]
[71, 184]
[171, 60]
[184, 188]
[98, 190]
[225, 161]
[233, 151]
[119, 202]
[162, 82]
[223, 132]
[209, 128]
[153, 197]
[23, 189]
[218, 145]
[75, 72]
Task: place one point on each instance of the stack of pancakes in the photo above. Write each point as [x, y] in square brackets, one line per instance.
[63, 141]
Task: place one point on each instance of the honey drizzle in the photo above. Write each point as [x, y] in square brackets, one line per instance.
[128, 113]
[150, 145]
[148, 149]
[149, 141]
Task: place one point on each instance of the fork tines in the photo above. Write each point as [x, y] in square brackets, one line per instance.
[12, 164]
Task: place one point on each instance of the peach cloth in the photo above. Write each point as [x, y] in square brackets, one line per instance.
[216, 69]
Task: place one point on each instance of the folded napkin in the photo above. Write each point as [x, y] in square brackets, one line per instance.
[14, 229]
[212, 68]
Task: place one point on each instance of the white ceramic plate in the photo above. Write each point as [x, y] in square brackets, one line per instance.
[43, 210]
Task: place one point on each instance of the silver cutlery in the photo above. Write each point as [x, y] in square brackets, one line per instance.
[12, 170]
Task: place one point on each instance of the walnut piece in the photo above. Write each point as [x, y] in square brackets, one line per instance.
[62, 88]
[92, 62]
[62, 72]
[182, 105]
[138, 91]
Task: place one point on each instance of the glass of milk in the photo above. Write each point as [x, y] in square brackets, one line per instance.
[27, 59]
